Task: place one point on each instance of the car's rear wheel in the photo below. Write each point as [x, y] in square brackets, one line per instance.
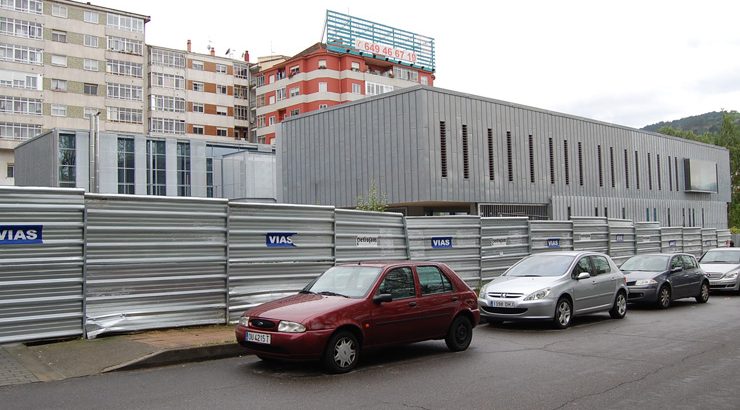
[703, 295]
[342, 352]
[619, 310]
[563, 313]
[460, 334]
[664, 297]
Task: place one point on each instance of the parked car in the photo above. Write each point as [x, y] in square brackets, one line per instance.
[351, 308]
[722, 266]
[555, 286]
[662, 278]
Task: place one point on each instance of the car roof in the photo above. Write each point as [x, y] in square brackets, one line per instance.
[570, 253]
[382, 264]
[664, 254]
[725, 249]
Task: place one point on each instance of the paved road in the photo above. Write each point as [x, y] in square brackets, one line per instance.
[685, 358]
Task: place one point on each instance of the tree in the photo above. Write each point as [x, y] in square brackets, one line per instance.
[374, 201]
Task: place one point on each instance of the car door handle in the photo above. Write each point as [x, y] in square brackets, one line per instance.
[412, 304]
[455, 298]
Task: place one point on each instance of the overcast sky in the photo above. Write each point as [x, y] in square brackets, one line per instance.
[627, 62]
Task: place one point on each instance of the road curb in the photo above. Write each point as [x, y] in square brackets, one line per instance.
[178, 356]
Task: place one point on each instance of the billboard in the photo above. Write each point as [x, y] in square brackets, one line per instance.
[700, 176]
[347, 34]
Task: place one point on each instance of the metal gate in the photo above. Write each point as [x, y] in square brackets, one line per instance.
[692, 242]
[647, 237]
[504, 241]
[621, 240]
[454, 240]
[550, 236]
[275, 250]
[154, 262]
[590, 234]
[708, 239]
[365, 236]
[723, 238]
[41, 263]
[671, 239]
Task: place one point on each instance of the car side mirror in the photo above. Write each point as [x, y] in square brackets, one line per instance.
[583, 275]
[676, 269]
[383, 297]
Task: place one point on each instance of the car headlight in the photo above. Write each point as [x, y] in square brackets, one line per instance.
[244, 321]
[540, 294]
[730, 275]
[482, 291]
[645, 282]
[291, 327]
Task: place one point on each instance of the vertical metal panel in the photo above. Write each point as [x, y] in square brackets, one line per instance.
[504, 241]
[550, 236]
[154, 262]
[463, 252]
[692, 241]
[723, 238]
[708, 239]
[364, 236]
[621, 240]
[647, 235]
[41, 293]
[671, 239]
[259, 272]
[590, 234]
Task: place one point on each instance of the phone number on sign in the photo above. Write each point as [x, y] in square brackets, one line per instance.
[364, 45]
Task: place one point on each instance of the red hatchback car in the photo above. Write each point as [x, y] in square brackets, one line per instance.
[350, 308]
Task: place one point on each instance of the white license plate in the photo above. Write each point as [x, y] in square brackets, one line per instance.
[503, 303]
[258, 338]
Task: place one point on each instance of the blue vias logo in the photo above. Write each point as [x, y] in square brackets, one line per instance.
[671, 244]
[620, 237]
[20, 234]
[553, 243]
[279, 239]
[441, 242]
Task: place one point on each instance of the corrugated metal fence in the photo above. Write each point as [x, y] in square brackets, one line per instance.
[366, 236]
[504, 241]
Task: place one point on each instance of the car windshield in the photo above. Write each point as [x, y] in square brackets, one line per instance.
[347, 281]
[732, 257]
[541, 265]
[648, 263]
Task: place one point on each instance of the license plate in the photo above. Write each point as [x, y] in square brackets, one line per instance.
[502, 303]
[258, 338]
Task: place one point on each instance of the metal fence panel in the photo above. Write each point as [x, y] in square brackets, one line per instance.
[504, 241]
[275, 250]
[154, 262]
[590, 234]
[723, 238]
[671, 239]
[365, 236]
[692, 242]
[550, 236]
[41, 263]
[647, 237]
[621, 240]
[454, 240]
[708, 239]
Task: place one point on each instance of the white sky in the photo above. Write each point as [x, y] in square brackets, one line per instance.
[626, 62]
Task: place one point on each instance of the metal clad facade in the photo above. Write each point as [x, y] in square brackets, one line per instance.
[692, 241]
[504, 241]
[550, 236]
[365, 236]
[723, 238]
[41, 283]
[621, 239]
[454, 240]
[647, 235]
[708, 239]
[671, 239]
[275, 250]
[590, 234]
[154, 262]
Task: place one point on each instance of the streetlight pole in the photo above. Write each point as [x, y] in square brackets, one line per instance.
[94, 153]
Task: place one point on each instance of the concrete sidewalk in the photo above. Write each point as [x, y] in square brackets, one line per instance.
[26, 363]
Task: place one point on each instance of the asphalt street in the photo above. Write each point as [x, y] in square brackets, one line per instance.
[687, 357]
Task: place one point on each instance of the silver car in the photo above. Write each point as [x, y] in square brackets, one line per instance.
[555, 286]
[722, 266]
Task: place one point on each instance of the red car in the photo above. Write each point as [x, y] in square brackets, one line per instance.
[351, 308]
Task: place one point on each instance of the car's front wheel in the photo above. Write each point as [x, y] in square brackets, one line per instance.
[563, 313]
[619, 310]
[342, 352]
[703, 295]
[664, 297]
[460, 334]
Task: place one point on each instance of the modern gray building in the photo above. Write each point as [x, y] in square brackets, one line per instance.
[432, 151]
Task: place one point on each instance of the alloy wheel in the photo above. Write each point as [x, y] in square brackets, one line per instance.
[564, 313]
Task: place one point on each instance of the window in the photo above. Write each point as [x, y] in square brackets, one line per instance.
[322, 87]
[21, 28]
[197, 65]
[167, 103]
[611, 166]
[197, 107]
[551, 150]
[134, 70]
[59, 36]
[322, 106]
[166, 58]
[626, 171]
[491, 155]
[10, 171]
[198, 86]
[221, 68]
[18, 131]
[509, 158]
[531, 159]
[279, 94]
[260, 121]
[443, 147]
[580, 164]
[20, 105]
[19, 79]
[565, 162]
[67, 160]
[399, 283]
[126, 171]
[675, 167]
[355, 66]
[241, 112]
[241, 92]
[676, 262]
[582, 266]
[650, 172]
[125, 45]
[432, 280]
[24, 6]
[223, 132]
[91, 65]
[21, 54]
[198, 129]
[91, 17]
[466, 158]
[125, 92]
[424, 80]
[295, 70]
[58, 10]
[405, 74]
[271, 79]
[58, 85]
[156, 168]
[295, 112]
[356, 89]
[183, 169]
[221, 89]
[657, 168]
[637, 171]
[670, 175]
[294, 92]
[59, 60]
[168, 81]
[125, 115]
[272, 99]
[601, 265]
[240, 70]
[271, 120]
[125, 23]
[91, 41]
[90, 89]
[209, 177]
[377, 89]
[167, 126]
[222, 110]
[322, 64]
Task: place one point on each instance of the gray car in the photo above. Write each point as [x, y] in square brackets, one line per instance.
[722, 265]
[555, 286]
[661, 278]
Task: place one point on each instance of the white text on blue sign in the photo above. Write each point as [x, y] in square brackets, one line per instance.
[279, 239]
[553, 243]
[441, 242]
[21, 234]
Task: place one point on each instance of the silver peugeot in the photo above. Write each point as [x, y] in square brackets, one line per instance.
[555, 286]
[722, 266]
